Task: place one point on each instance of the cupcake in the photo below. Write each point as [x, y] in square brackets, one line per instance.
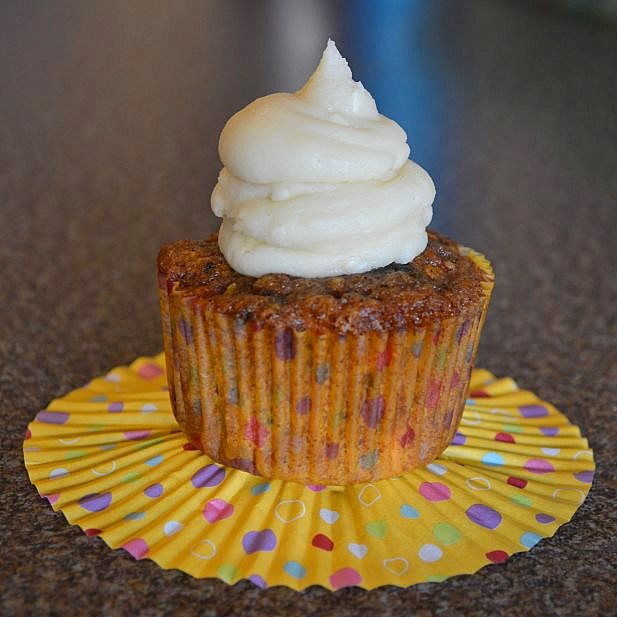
[322, 336]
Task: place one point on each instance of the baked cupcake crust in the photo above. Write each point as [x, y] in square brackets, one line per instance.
[438, 284]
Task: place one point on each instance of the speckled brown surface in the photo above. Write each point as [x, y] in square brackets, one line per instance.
[110, 116]
[438, 283]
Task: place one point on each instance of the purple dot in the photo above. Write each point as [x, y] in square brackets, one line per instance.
[52, 417]
[332, 450]
[303, 406]
[462, 330]
[550, 431]
[533, 411]
[186, 330]
[484, 516]
[544, 518]
[459, 439]
[154, 491]
[208, 476]
[258, 580]
[285, 344]
[373, 411]
[539, 465]
[95, 502]
[115, 407]
[585, 476]
[255, 541]
[244, 464]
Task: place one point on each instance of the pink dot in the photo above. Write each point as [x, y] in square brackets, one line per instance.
[256, 432]
[432, 395]
[539, 465]
[316, 488]
[435, 491]
[150, 371]
[136, 435]
[345, 577]
[217, 510]
[137, 547]
[51, 498]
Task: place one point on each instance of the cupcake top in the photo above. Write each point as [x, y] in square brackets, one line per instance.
[317, 183]
[439, 283]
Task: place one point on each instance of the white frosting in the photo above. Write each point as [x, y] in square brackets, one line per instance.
[318, 183]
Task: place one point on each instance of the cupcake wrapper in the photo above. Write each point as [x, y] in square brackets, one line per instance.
[317, 407]
[111, 458]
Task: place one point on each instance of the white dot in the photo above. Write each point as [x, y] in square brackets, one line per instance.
[59, 472]
[551, 451]
[149, 408]
[430, 553]
[113, 377]
[172, 527]
[437, 469]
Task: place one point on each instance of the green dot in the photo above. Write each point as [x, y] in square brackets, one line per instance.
[522, 500]
[150, 442]
[97, 427]
[436, 578]
[442, 355]
[369, 460]
[378, 529]
[131, 476]
[74, 454]
[228, 572]
[512, 428]
[446, 533]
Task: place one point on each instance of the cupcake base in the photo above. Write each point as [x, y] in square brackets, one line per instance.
[310, 404]
[110, 456]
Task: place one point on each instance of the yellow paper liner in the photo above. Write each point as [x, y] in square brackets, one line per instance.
[316, 406]
[111, 458]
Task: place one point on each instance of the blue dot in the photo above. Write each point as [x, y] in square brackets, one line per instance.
[470, 402]
[293, 568]
[134, 516]
[258, 489]
[493, 459]
[155, 460]
[529, 539]
[408, 511]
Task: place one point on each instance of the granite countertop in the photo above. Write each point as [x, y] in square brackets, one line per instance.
[110, 117]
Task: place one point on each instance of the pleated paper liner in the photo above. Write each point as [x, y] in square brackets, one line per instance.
[111, 458]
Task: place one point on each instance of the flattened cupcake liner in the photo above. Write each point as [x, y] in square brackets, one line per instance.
[315, 406]
[110, 456]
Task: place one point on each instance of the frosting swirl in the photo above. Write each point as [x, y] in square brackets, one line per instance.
[318, 183]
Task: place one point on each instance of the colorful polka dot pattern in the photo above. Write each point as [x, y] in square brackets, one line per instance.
[111, 458]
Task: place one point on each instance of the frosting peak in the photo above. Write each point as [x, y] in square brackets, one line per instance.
[318, 183]
[332, 88]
